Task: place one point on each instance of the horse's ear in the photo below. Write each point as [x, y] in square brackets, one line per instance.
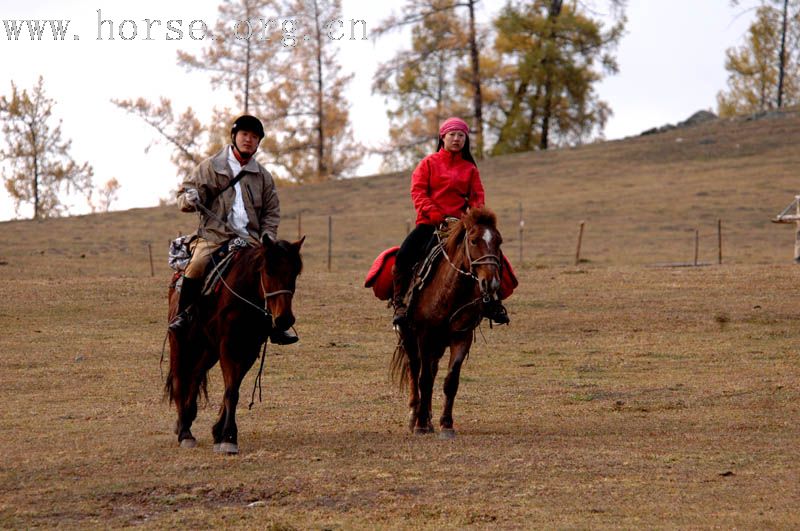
[299, 243]
[266, 240]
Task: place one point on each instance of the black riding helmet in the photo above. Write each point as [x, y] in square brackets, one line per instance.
[249, 123]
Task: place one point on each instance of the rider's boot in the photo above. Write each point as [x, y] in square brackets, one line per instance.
[190, 290]
[400, 283]
[495, 311]
[283, 337]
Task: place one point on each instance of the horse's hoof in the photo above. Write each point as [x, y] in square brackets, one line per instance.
[216, 448]
[188, 442]
[227, 448]
[447, 433]
[421, 431]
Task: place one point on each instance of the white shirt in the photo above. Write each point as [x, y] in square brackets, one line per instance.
[238, 215]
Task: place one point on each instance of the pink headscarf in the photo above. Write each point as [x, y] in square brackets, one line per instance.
[453, 124]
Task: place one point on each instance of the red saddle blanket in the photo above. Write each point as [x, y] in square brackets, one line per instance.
[379, 277]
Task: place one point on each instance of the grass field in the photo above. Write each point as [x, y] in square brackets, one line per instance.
[622, 395]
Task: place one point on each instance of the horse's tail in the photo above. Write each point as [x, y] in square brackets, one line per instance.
[182, 367]
[398, 369]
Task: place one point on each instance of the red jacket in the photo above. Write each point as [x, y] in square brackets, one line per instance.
[444, 184]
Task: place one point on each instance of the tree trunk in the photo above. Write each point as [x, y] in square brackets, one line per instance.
[547, 112]
[247, 79]
[36, 187]
[782, 59]
[512, 115]
[321, 166]
[477, 100]
[36, 213]
[532, 120]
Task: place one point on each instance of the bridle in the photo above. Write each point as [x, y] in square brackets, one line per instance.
[267, 294]
[486, 259]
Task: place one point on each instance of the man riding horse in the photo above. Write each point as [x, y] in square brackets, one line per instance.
[235, 196]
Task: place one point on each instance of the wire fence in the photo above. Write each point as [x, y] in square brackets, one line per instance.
[350, 241]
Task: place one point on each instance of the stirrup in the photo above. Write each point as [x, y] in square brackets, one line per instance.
[497, 312]
[400, 316]
[180, 321]
[283, 337]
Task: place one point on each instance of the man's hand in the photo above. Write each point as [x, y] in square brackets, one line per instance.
[192, 197]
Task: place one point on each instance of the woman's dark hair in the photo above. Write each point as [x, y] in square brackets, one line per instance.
[465, 153]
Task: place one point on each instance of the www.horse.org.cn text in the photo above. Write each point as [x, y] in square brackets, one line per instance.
[290, 32]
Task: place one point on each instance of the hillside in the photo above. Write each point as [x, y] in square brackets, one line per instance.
[641, 199]
[621, 395]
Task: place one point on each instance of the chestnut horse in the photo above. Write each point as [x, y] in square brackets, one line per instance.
[230, 326]
[445, 313]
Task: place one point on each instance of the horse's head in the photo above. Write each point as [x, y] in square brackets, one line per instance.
[480, 240]
[278, 278]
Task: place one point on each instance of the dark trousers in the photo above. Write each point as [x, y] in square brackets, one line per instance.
[413, 247]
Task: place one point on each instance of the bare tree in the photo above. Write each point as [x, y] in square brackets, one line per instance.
[41, 168]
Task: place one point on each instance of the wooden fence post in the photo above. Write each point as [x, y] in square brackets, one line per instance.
[580, 240]
[299, 225]
[719, 241]
[696, 245]
[150, 253]
[797, 231]
[521, 234]
[330, 241]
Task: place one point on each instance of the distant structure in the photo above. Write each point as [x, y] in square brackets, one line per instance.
[700, 117]
[791, 214]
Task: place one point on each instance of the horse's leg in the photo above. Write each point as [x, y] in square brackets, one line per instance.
[179, 385]
[459, 348]
[233, 370]
[430, 354]
[412, 353]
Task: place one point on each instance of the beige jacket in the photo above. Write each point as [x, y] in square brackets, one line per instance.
[258, 193]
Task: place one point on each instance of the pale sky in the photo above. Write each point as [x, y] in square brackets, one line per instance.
[671, 65]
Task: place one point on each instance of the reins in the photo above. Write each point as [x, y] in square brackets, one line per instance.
[265, 310]
[486, 259]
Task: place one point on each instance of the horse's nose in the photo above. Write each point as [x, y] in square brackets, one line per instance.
[490, 284]
[495, 283]
[284, 322]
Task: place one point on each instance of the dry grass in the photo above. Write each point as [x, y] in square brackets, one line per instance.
[622, 395]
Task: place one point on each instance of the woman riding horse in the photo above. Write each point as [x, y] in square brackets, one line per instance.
[444, 184]
[445, 313]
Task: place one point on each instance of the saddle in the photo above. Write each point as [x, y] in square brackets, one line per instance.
[379, 277]
[217, 267]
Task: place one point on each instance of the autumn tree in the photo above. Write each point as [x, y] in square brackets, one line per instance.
[190, 140]
[548, 57]
[426, 84]
[764, 73]
[428, 16]
[309, 136]
[39, 168]
[291, 81]
[106, 196]
[244, 53]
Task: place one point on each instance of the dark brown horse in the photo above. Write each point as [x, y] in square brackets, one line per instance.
[445, 313]
[230, 326]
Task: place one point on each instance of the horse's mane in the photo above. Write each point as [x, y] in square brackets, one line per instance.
[253, 258]
[475, 216]
[250, 259]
